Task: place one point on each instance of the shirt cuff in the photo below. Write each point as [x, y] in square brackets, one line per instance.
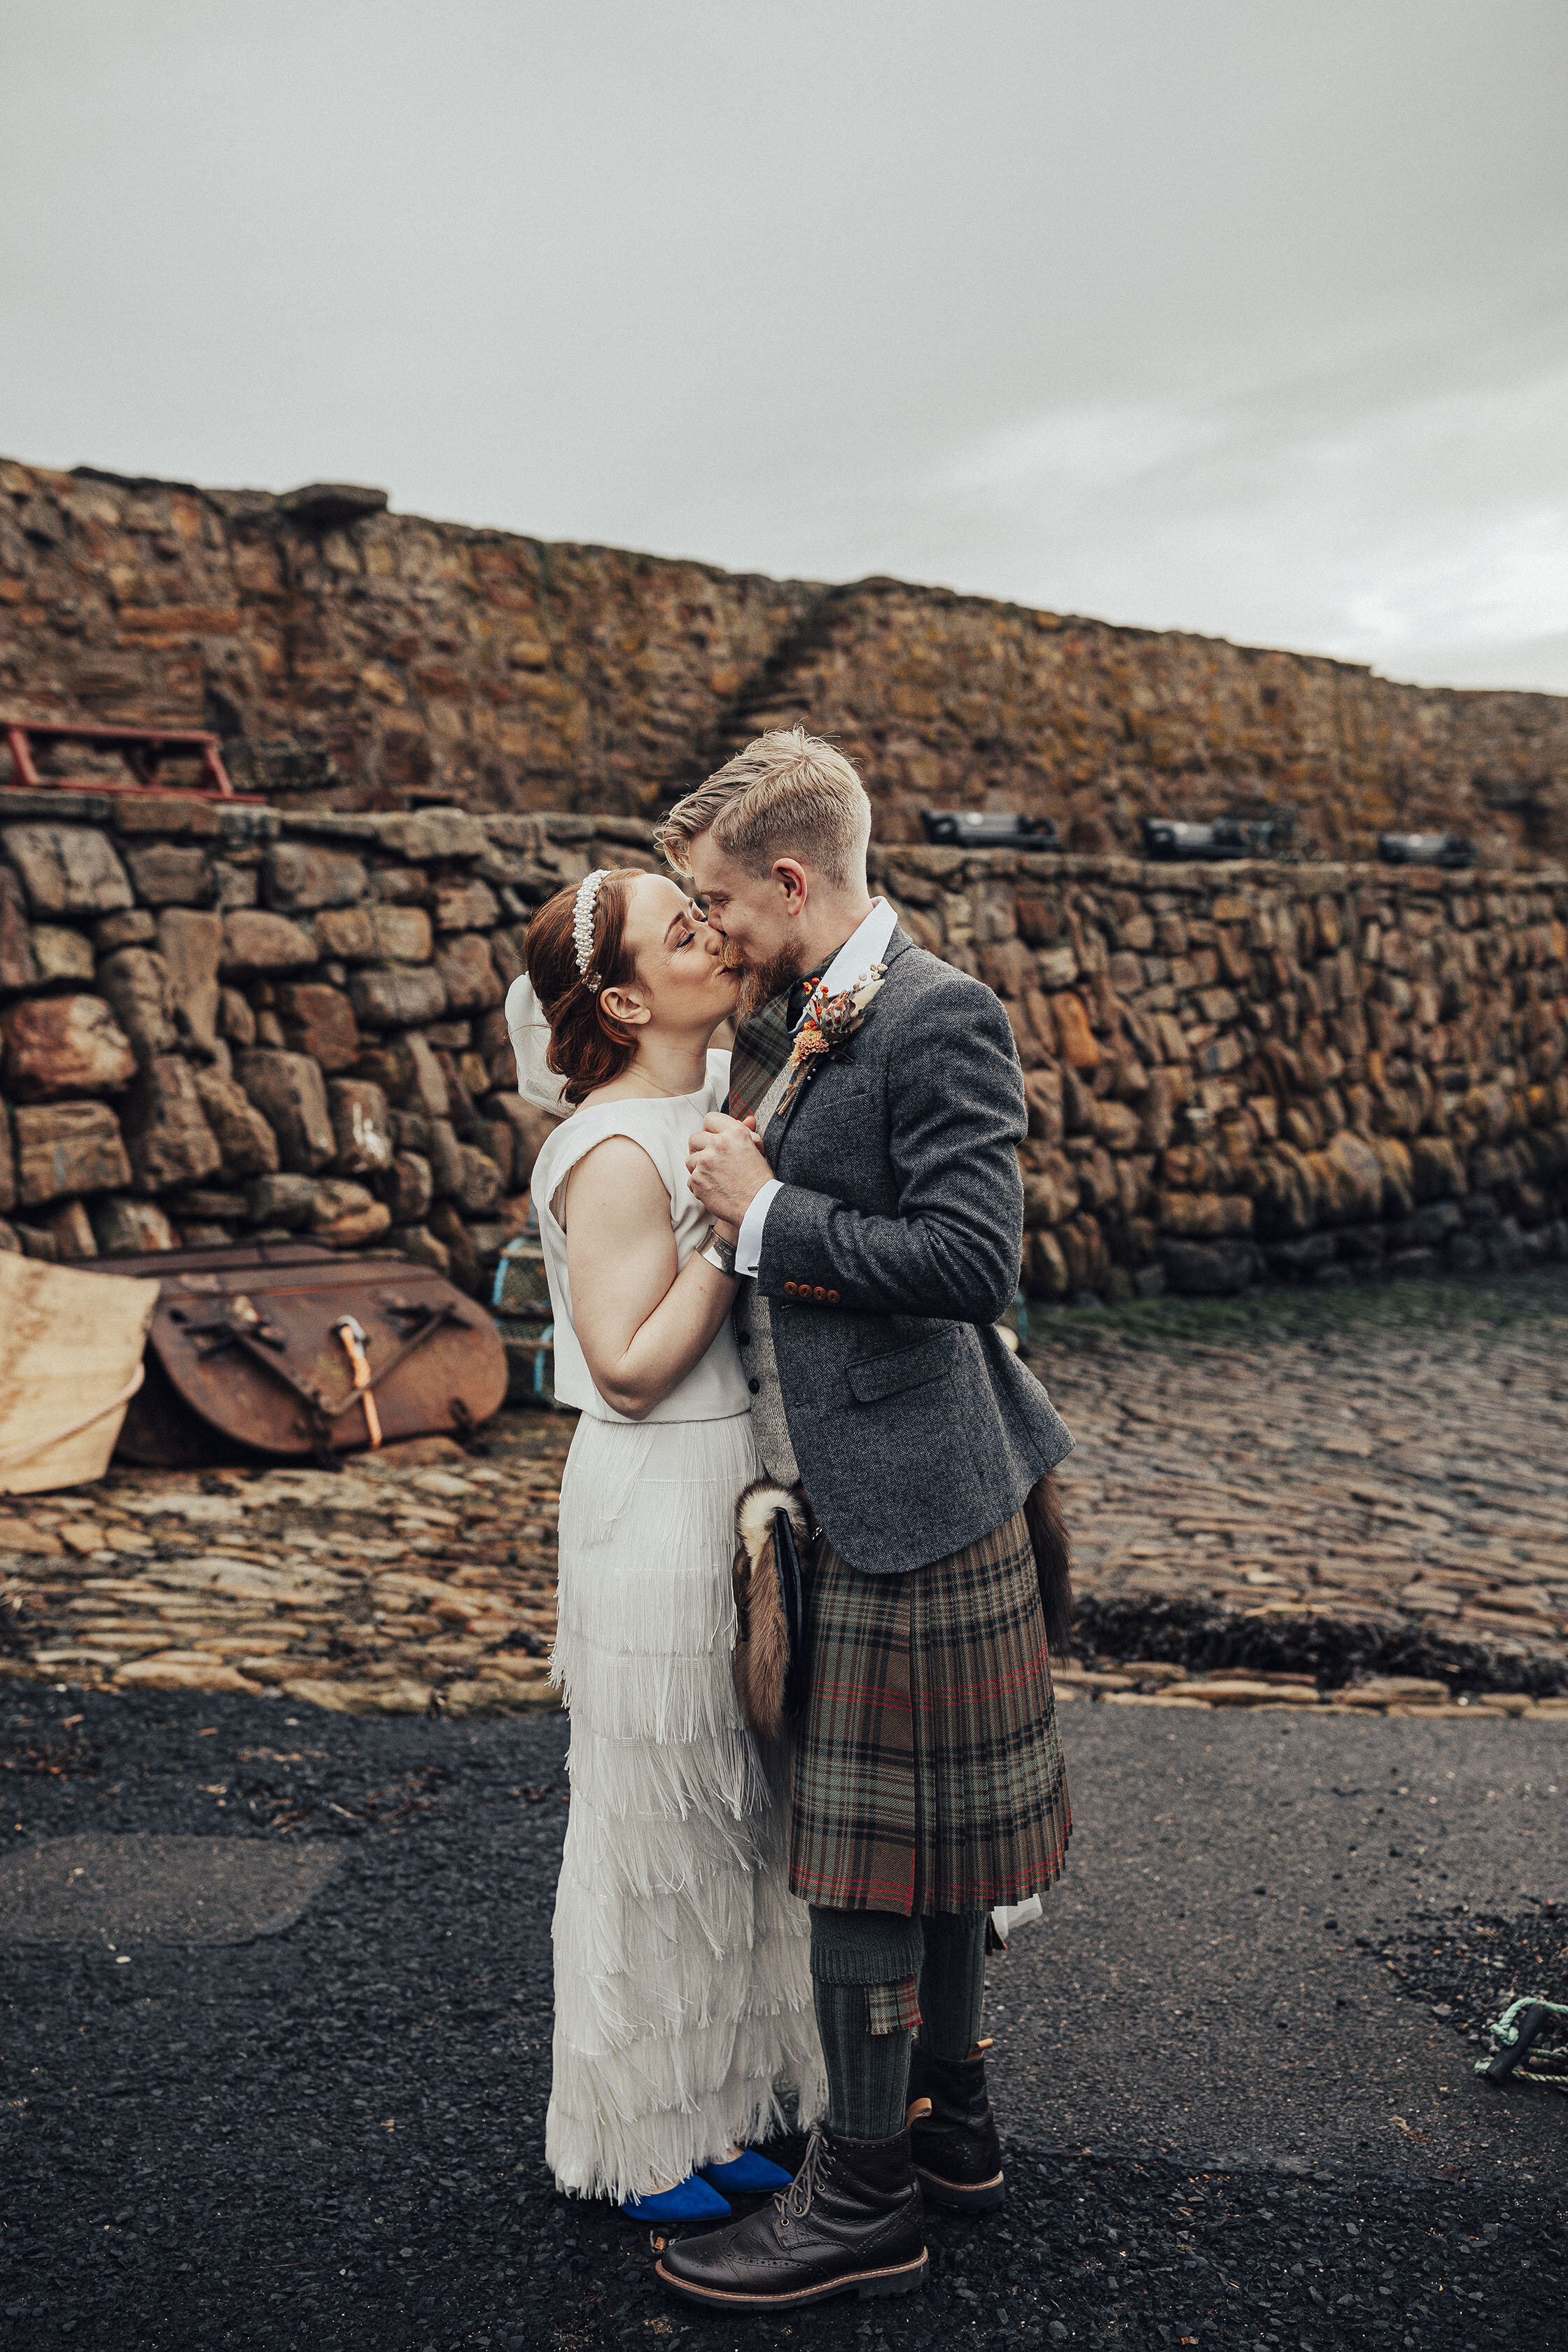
[749, 1240]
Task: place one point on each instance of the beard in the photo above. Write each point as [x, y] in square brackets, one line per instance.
[760, 983]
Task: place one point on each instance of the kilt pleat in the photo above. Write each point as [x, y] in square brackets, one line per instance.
[928, 1770]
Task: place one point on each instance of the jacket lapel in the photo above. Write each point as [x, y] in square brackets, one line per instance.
[768, 1125]
[778, 1127]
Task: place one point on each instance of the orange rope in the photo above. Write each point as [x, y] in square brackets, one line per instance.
[361, 1364]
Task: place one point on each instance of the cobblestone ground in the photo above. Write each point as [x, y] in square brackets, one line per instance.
[416, 1579]
[1340, 1482]
[1346, 1499]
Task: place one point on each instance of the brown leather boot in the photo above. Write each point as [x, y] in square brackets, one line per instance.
[850, 2223]
[957, 2155]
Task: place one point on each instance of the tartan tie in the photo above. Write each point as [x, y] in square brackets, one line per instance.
[763, 1045]
[761, 1050]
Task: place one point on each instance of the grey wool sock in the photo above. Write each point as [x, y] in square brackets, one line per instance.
[864, 1970]
[868, 2074]
[952, 1982]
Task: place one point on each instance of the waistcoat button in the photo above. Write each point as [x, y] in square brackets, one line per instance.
[755, 1387]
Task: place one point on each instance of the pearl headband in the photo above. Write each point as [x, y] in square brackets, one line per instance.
[583, 926]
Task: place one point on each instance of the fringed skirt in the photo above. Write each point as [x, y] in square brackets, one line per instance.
[683, 2010]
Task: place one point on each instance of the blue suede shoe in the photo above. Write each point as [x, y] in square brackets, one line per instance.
[749, 2174]
[690, 2200]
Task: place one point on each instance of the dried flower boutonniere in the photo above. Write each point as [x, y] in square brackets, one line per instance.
[830, 1022]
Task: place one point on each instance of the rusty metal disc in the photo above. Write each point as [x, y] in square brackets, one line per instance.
[247, 1342]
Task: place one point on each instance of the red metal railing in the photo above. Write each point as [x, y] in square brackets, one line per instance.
[140, 748]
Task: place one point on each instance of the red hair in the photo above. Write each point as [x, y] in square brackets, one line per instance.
[588, 1046]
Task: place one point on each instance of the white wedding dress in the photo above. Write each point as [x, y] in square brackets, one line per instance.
[682, 1985]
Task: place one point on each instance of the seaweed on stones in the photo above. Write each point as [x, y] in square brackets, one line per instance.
[1335, 1649]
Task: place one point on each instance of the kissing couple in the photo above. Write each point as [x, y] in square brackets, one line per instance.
[776, 1275]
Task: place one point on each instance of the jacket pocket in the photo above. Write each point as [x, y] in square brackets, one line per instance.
[872, 1377]
[842, 1082]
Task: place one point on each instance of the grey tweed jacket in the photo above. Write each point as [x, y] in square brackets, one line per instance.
[886, 1261]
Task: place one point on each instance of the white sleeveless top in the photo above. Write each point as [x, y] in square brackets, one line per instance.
[715, 1388]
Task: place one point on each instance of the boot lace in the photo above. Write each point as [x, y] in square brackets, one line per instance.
[794, 2203]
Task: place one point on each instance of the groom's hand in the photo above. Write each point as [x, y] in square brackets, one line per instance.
[725, 1166]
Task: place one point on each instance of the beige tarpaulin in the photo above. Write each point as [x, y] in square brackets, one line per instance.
[70, 1361]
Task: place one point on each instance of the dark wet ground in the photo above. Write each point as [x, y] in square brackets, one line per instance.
[1214, 1975]
[1228, 2122]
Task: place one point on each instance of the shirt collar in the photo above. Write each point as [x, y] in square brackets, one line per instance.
[861, 949]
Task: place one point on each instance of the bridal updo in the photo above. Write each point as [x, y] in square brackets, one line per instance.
[588, 1046]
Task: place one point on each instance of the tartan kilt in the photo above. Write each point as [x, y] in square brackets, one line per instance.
[928, 1766]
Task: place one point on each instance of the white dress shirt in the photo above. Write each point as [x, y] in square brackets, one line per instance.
[864, 948]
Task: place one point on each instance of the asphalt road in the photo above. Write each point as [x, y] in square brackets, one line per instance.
[302, 2111]
[1197, 1988]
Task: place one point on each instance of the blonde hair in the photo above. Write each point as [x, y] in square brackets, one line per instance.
[786, 791]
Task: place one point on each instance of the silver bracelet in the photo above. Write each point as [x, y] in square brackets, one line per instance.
[718, 1252]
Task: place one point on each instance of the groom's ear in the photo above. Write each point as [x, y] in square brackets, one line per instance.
[795, 882]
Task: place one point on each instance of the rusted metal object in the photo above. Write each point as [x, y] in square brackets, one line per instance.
[143, 748]
[160, 1430]
[248, 1348]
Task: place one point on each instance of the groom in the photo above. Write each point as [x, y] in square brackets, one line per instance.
[881, 1235]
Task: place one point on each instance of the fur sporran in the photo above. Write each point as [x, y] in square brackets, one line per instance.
[1052, 1561]
[770, 1531]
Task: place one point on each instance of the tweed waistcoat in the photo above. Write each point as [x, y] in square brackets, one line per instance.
[755, 1336]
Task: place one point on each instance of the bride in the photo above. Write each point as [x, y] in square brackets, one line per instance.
[682, 1989]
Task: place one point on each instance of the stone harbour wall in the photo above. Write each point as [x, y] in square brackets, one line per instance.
[357, 659]
[215, 1024]
[1249, 1073]
[219, 1020]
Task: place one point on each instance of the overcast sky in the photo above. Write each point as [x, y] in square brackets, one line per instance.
[1245, 316]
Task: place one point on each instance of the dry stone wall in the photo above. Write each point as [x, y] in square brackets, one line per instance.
[218, 1021]
[950, 701]
[362, 659]
[1289, 1072]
